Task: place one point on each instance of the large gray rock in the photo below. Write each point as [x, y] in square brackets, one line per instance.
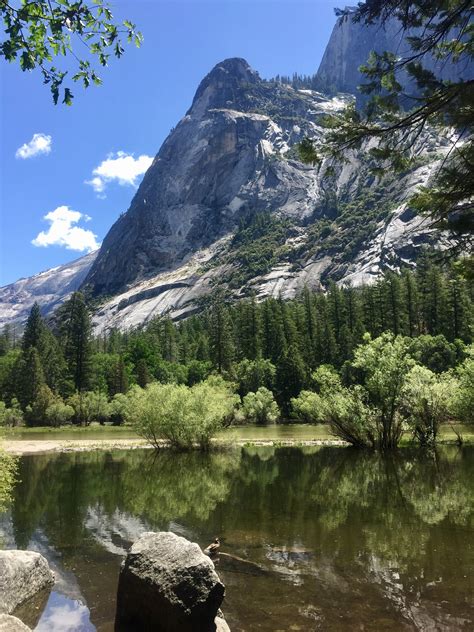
[22, 575]
[12, 624]
[167, 584]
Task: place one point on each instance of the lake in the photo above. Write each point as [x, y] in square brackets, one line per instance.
[319, 538]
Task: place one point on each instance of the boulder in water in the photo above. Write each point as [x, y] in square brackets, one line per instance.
[167, 584]
[22, 575]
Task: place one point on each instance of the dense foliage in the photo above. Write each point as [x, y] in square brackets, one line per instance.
[371, 362]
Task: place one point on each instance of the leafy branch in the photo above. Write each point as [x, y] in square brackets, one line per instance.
[38, 31]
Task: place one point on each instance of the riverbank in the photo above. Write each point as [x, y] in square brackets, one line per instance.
[22, 441]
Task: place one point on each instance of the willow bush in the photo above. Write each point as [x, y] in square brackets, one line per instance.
[185, 416]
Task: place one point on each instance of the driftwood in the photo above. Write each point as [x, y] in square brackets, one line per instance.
[235, 564]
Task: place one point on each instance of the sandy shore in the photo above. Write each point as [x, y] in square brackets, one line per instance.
[27, 446]
[38, 446]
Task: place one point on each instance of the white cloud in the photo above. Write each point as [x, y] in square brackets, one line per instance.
[120, 167]
[39, 144]
[63, 232]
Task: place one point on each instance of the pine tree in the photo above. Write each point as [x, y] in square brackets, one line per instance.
[75, 327]
[34, 329]
[29, 377]
[290, 376]
[249, 328]
[119, 382]
[37, 334]
[274, 340]
[221, 335]
[410, 288]
[142, 373]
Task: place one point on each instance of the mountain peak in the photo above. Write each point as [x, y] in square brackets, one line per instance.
[226, 76]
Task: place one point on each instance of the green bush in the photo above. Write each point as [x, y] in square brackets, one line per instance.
[12, 416]
[425, 402]
[183, 415]
[89, 406]
[119, 408]
[58, 413]
[307, 407]
[8, 469]
[462, 400]
[35, 414]
[260, 407]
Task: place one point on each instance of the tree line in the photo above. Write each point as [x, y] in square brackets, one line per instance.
[270, 351]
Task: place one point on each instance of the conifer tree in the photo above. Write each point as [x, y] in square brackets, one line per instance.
[29, 377]
[75, 327]
[290, 376]
[410, 289]
[37, 334]
[142, 373]
[221, 335]
[119, 382]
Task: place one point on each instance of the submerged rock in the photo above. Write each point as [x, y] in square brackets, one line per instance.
[22, 575]
[167, 584]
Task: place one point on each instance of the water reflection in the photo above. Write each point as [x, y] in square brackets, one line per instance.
[328, 539]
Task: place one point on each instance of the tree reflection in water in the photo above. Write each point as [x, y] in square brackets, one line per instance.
[344, 539]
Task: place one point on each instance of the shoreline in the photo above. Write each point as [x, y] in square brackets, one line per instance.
[24, 447]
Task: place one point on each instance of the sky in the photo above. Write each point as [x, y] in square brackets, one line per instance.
[66, 173]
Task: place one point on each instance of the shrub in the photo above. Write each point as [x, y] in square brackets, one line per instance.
[307, 407]
[35, 414]
[58, 413]
[349, 417]
[462, 400]
[89, 406]
[12, 416]
[426, 403]
[260, 407]
[8, 469]
[384, 363]
[183, 415]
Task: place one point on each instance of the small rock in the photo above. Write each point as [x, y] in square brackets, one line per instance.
[22, 575]
[167, 584]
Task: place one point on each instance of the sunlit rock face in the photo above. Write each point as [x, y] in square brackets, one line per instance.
[49, 289]
[351, 43]
[225, 158]
[232, 157]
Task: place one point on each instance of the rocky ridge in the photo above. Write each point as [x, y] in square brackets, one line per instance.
[231, 159]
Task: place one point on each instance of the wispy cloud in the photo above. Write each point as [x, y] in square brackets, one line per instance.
[64, 232]
[39, 144]
[119, 167]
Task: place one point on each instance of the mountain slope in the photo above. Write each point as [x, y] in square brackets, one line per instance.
[226, 201]
[49, 289]
[351, 43]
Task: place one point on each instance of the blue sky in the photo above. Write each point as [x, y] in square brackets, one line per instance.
[49, 153]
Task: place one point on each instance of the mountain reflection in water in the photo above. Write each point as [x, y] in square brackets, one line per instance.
[317, 539]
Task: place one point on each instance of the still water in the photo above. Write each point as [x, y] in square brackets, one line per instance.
[319, 539]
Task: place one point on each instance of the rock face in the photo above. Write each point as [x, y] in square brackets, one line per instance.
[351, 43]
[12, 624]
[22, 575]
[167, 584]
[231, 158]
[49, 289]
[223, 161]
